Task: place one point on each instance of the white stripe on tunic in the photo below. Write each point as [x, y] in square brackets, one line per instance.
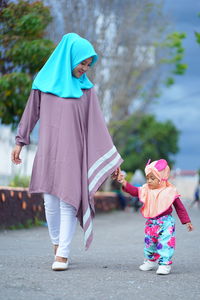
[101, 160]
[88, 232]
[103, 171]
[86, 216]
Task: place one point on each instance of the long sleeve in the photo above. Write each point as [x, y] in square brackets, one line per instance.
[29, 118]
[181, 211]
[132, 190]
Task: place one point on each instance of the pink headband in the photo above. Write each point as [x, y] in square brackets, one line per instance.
[160, 165]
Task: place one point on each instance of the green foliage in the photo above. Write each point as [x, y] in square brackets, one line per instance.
[174, 43]
[14, 91]
[140, 138]
[180, 69]
[28, 224]
[20, 181]
[169, 81]
[197, 35]
[23, 52]
[129, 175]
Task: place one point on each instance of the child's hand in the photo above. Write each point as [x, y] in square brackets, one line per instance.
[189, 226]
[115, 173]
[121, 178]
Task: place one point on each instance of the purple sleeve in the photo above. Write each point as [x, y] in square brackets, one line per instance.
[29, 118]
[181, 211]
[132, 190]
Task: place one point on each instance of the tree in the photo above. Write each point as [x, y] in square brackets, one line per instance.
[140, 138]
[128, 36]
[23, 52]
[132, 40]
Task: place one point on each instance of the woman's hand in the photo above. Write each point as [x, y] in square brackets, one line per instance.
[119, 176]
[15, 154]
[121, 179]
[116, 173]
[189, 226]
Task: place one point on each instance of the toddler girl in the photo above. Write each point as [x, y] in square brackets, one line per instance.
[158, 195]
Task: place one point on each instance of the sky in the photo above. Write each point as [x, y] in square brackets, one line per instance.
[181, 102]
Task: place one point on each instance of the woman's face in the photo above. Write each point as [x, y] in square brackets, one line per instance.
[82, 68]
[152, 181]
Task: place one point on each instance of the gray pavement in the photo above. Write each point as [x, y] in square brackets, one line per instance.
[108, 270]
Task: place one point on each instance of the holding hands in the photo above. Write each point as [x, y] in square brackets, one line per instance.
[119, 175]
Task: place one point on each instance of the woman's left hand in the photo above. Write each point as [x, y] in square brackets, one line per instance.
[115, 173]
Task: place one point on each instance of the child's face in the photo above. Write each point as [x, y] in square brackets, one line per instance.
[82, 68]
[152, 181]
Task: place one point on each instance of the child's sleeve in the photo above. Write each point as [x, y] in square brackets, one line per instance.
[132, 190]
[181, 211]
[29, 118]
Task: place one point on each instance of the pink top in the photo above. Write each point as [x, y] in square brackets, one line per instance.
[179, 207]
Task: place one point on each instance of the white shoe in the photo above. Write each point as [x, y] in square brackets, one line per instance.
[163, 270]
[60, 266]
[148, 265]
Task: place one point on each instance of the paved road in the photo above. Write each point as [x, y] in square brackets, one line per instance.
[109, 270]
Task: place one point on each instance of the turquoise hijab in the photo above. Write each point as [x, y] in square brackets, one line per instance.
[56, 75]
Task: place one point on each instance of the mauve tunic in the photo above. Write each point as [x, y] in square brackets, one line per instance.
[75, 151]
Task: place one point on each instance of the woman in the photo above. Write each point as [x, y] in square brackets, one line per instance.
[75, 151]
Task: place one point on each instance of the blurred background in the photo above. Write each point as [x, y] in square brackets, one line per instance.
[147, 77]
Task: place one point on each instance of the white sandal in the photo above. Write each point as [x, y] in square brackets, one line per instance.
[60, 266]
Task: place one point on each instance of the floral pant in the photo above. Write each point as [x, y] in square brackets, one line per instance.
[160, 239]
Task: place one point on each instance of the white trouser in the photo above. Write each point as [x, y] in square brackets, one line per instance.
[61, 220]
